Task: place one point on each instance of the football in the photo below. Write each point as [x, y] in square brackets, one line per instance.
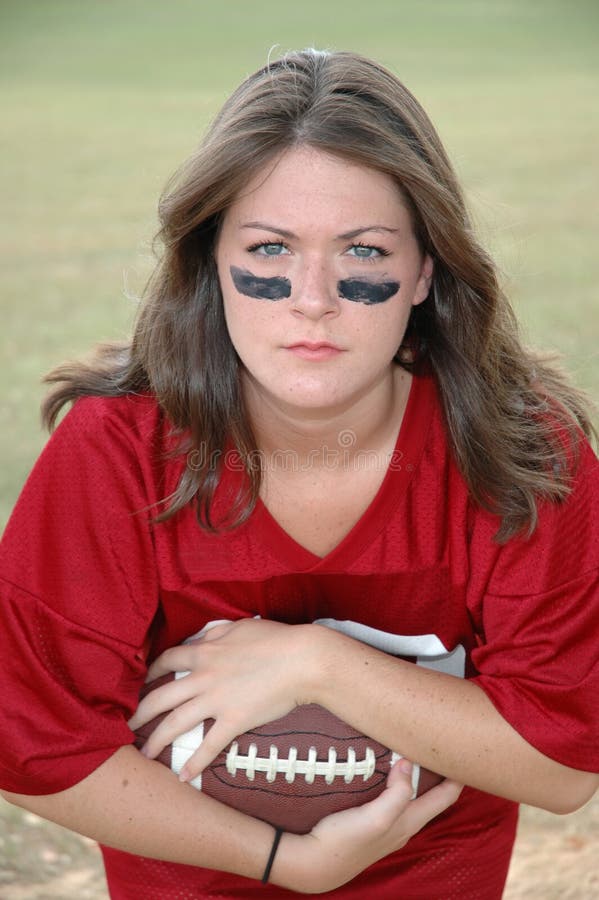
[291, 772]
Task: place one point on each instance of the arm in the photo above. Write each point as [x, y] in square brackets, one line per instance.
[138, 806]
[446, 724]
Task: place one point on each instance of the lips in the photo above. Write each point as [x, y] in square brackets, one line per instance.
[314, 350]
[313, 345]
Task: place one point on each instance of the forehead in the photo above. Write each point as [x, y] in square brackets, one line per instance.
[304, 184]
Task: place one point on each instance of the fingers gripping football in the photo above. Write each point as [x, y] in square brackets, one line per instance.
[343, 844]
[235, 674]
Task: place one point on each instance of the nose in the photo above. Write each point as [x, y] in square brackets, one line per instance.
[314, 293]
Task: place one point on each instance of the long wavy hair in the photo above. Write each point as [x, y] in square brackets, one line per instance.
[512, 418]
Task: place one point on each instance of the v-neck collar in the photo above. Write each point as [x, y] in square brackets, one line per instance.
[410, 443]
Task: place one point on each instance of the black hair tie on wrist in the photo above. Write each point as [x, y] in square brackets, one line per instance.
[271, 858]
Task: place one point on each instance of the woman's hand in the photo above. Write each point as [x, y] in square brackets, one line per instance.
[344, 844]
[241, 674]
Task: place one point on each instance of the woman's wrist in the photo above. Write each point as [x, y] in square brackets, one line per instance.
[294, 866]
[316, 656]
[273, 852]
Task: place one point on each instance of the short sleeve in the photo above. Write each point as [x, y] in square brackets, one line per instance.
[537, 615]
[78, 592]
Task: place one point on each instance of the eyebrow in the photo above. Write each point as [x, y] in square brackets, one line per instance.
[346, 236]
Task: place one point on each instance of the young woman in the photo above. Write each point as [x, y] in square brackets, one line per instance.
[326, 432]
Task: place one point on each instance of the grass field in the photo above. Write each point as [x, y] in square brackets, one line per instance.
[102, 100]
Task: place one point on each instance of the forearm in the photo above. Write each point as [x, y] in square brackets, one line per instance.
[446, 724]
[137, 805]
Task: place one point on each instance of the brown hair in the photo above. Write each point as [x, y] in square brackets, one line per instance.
[512, 418]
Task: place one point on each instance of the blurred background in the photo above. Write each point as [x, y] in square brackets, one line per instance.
[101, 101]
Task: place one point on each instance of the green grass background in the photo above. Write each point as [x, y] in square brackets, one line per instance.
[101, 100]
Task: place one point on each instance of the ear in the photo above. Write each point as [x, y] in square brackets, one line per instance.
[424, 282]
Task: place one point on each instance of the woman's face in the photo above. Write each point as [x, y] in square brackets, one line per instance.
[319, 269]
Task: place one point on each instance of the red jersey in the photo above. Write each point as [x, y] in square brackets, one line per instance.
[89, 584]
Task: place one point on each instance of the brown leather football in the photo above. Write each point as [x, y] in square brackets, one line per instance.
[291, 772]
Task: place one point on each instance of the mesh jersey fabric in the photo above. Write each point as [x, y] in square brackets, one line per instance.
[91, 591]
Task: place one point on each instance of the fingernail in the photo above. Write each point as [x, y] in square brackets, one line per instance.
[184, 775]
[144, 751]
[406, 766]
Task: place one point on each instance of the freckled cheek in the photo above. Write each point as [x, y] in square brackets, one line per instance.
[386, 329]
[248, 320]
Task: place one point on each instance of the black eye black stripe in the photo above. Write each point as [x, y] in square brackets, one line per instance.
[358, 290]
[261, 288]
[368, 292]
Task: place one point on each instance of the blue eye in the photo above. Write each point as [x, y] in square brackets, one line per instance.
[366, 251]
[268, 248]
